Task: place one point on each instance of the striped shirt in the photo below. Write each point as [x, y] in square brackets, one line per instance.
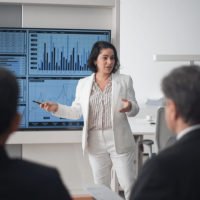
[100, 107]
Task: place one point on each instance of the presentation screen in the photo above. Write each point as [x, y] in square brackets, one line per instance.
[48, 64]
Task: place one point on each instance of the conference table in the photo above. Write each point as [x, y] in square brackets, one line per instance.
[140, 128]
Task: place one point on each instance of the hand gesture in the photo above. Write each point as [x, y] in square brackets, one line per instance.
[127, 106]
[49, 106]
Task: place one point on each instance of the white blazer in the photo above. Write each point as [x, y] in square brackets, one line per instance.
[122, 87]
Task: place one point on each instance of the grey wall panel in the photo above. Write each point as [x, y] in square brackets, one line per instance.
[10, 16]
[67, 17]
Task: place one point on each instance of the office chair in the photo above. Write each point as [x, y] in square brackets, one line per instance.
[149, 144]
[163, 136]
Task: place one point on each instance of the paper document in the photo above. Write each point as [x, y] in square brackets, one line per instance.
[101, 192]
[152, 102]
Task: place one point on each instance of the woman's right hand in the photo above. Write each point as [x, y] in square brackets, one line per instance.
[49, 106]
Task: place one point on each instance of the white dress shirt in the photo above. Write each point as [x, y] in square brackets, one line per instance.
[187, 130]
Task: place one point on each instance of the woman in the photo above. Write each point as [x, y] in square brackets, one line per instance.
[105, 99]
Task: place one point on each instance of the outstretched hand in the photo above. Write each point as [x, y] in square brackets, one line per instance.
[49, 106]
[127, 106]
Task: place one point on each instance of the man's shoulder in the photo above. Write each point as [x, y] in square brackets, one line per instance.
[181, 153]
[34, 170]
[163, 164]
[30, 177]
[171, 172]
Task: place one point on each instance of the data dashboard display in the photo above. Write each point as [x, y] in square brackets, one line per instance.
[48, 64]
[60, 90]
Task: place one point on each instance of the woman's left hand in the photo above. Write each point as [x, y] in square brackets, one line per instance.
[127, 106]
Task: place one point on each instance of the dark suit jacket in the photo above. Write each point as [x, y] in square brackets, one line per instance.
[173, 174]
[27, 181]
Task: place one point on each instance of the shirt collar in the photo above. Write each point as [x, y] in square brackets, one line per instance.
[187, 130]
[110, 78]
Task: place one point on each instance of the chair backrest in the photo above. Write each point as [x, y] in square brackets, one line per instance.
[163, 137]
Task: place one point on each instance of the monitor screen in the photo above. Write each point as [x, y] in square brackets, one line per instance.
[48, 64]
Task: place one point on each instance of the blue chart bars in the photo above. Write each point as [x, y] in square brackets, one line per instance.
[61, 52]
[48, 64]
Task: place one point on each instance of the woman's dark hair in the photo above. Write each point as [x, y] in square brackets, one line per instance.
[96, 50]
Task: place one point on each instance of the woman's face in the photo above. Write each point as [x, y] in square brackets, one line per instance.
[105, 61]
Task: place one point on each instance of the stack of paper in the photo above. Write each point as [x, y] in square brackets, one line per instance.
[101, 192]
[153, 102]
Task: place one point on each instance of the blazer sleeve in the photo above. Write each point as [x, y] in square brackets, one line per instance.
[131, 97]
[71, 112]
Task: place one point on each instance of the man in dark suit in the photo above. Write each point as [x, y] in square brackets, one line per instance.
[21, 179]
[175, 172]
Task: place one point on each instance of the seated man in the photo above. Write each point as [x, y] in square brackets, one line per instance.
[175, 172]
[21, 179]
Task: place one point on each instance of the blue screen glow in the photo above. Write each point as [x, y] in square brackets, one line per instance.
[48, 64]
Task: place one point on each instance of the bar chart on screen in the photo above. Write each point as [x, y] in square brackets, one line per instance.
[61, 53]
[60, 90]
[48, 63]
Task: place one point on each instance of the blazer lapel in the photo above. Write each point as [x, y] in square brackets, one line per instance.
[86, 95]
[115, 92]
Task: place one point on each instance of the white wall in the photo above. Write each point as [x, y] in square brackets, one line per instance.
[150, 27]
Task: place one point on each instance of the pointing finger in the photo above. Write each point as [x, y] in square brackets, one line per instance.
[124, 100]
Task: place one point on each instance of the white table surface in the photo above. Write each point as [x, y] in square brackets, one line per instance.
[141, 126]
[138, 126]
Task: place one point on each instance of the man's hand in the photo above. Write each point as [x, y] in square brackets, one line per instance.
[49, 106]
[127, 106]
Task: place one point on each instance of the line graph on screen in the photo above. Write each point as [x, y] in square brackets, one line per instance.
[48, 89]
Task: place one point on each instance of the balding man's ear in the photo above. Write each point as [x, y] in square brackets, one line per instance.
[173, 109]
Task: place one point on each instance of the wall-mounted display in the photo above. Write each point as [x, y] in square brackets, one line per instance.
[48, 64]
